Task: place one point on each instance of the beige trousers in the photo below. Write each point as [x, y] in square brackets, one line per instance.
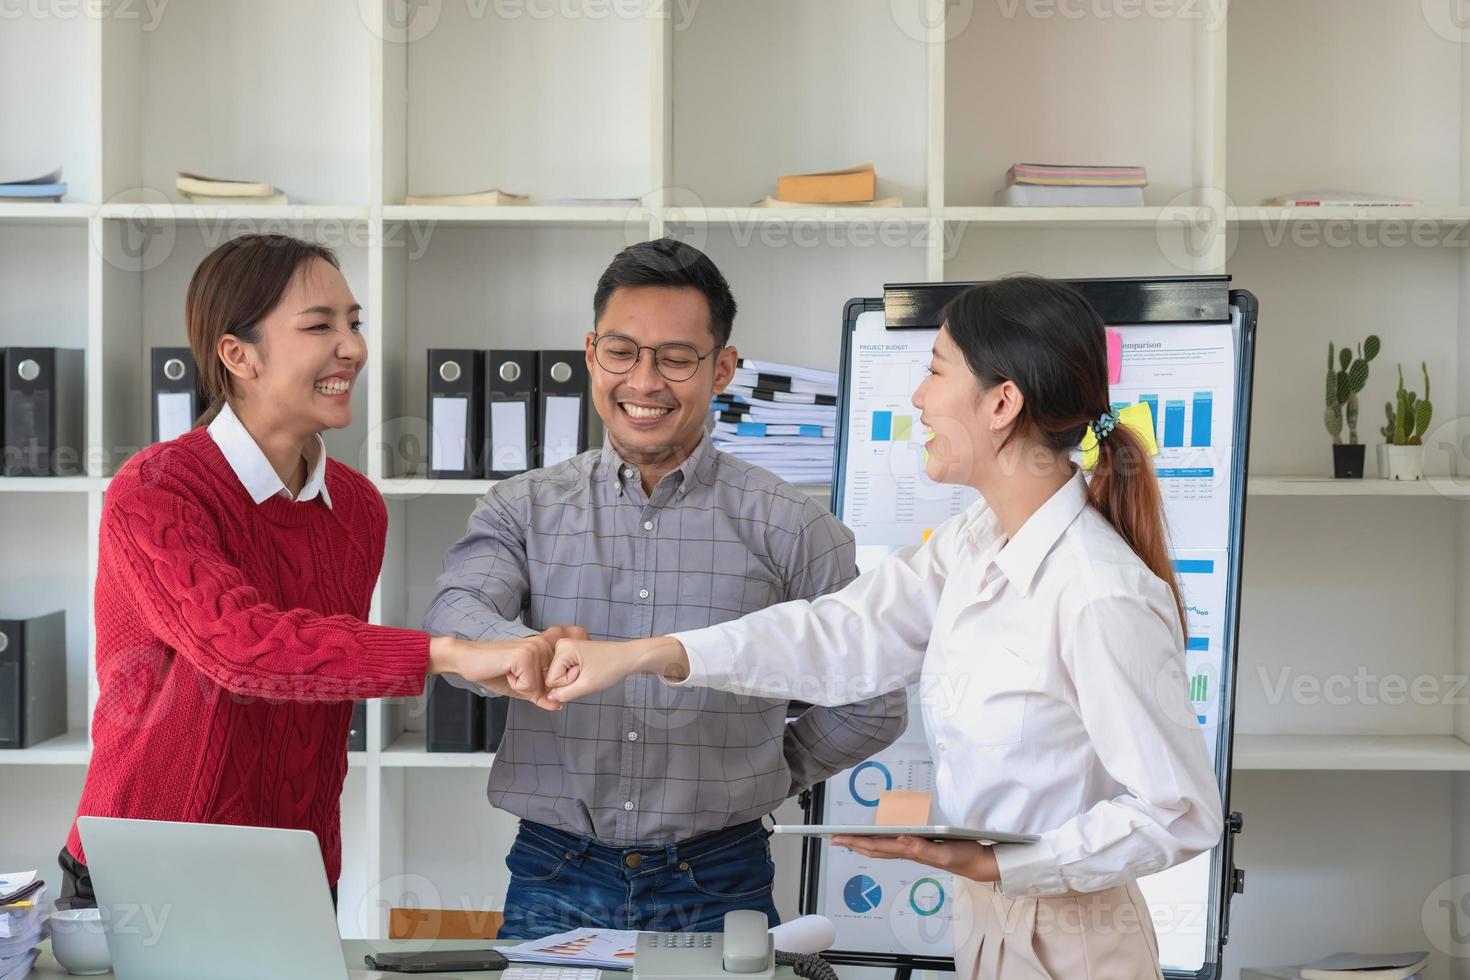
[1105, 935]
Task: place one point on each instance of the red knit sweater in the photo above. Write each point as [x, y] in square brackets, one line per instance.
[231, 644]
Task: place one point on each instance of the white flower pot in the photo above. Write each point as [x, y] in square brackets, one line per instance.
[1404, 462]
[1382, 449]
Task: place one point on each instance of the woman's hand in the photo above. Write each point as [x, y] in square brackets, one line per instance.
[964, 858]
[583, 667]
[515, 668]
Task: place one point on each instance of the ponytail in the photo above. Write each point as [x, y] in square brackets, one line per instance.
[1126, 491]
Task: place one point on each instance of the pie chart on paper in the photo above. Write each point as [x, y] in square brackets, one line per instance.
[862, 894]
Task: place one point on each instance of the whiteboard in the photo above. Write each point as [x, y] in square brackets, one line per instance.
[1189, 373]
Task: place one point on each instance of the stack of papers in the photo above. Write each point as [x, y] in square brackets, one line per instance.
[495, 197]
[1067, 185]
[1348, 966]
[781, 417]
[22, 922]
[604, 949]
[199, 189]
[47, 187]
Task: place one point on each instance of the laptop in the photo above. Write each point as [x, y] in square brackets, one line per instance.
[194, 901]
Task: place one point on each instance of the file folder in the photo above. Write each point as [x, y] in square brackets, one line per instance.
[563, 396]
[32, 680]
[497, 712]
[177, 400]
[456, 720]
[45, 411]
[357, 729]
[510, 420]
[456, 413]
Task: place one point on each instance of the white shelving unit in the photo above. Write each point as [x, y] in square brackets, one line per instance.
[694, 110]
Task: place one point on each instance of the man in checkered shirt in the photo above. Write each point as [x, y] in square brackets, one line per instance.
[641, 808]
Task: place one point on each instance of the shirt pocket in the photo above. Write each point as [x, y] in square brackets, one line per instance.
[695, 587]
[1007, 681]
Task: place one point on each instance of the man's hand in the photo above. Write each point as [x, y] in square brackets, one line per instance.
[515, 668]
[583, 667]
[968, 860]
[555, 633]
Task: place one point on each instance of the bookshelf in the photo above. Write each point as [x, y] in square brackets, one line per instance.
[347, 105]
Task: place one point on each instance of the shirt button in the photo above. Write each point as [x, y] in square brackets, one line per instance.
[628, 805]
[682, 488]
[628, 473]
[632, 736]
[643, 593]
[941, 746]
[648, 525]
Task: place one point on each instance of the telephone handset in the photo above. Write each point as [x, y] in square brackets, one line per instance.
[744, 950]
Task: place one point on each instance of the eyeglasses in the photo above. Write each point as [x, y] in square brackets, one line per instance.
[617, 354]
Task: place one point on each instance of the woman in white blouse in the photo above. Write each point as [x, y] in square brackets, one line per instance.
[1044, 625]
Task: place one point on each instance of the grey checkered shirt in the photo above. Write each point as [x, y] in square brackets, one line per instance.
[581, 544]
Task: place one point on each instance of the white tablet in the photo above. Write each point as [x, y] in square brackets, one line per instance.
[937, 832]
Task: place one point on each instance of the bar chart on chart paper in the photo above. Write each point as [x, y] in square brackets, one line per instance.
[888, 499]
[1202, 576]
[1186, 376]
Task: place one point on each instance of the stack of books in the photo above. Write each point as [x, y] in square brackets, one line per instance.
[45, 188]
[22, 922]
[1348, 966]
[1337, 199]
[1046, 185]
[198, 189]
[854, 187]
[781, 417]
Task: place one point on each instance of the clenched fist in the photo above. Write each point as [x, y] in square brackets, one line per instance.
[582, 667]
[515, 668]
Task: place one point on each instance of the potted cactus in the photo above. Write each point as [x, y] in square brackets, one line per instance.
[1346, 376]
[1408, 419]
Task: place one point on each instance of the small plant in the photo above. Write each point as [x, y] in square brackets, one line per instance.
[1409, 415]
[1346, 376]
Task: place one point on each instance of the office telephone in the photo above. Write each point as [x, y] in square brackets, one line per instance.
[745, 949]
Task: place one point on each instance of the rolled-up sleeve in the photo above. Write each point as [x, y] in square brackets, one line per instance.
[484, 586]
[824, 741]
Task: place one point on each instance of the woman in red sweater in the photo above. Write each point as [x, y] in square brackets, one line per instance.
[236, 570]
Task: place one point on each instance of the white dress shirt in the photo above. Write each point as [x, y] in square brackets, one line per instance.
[1052, 681]
[255, 471]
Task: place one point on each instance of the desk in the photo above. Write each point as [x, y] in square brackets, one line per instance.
[353, 950]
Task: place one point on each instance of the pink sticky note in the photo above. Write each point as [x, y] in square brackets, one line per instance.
[1115, 357]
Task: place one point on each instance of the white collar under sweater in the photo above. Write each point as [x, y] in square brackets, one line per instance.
[255, 472]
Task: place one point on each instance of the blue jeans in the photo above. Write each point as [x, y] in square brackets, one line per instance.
[559, 881]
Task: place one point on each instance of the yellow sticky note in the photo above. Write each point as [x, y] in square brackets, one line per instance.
[902, 807]
[1139, 418]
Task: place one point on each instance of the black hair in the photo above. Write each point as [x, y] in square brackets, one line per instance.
[1044, 337]
[674, 264]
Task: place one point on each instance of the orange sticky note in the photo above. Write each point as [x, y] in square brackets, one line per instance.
[902, 807]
